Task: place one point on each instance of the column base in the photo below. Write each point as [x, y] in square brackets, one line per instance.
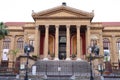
[45, 59]
[45, 77]
[56, 59]
[78, 59]
[68, 59]
[73, 77]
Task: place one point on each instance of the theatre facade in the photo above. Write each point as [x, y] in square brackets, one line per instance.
[62, 33]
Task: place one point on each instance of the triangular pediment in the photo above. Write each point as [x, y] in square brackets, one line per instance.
[62, 12]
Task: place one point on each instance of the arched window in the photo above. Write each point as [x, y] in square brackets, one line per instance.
[106, 43]
[20, 43]
[106, 48]
[6, 43]
[118, 44]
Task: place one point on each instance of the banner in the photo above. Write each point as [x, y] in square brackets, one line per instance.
[5, 54]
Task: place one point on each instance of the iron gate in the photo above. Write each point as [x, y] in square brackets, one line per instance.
[62, 68]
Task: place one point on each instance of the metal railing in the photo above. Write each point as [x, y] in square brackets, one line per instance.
[62, 70]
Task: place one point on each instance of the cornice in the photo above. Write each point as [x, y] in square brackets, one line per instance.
[111, 30]
[63, 17]
[97, 28]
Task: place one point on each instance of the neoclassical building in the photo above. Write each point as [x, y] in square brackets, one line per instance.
[63, 31]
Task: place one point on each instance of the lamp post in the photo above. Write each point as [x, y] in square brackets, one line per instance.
[27, 50]
[91, 72]
[90, 57]
[101, 70]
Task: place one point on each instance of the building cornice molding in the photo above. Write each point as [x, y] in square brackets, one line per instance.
[63, 17]
[111, 30]
[96, 28]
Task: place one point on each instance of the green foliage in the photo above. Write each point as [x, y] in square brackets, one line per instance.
[52, 55]
[73, 55]
[3, 30]
[14, 52]
[93, 57]
[35, 56]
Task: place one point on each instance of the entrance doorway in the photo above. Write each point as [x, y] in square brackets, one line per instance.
[62, 42]
[62, 47]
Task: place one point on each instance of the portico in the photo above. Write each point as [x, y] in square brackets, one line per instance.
[62, 31]
[61, 40]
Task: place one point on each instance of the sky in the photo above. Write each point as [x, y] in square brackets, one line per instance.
[21, 10]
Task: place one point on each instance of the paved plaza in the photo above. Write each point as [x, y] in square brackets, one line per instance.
[14, 78]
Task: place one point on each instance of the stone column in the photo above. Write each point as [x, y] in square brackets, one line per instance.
[37, 41]
[26, 37]
[68, 42]
[113, 52]
[13, 42]
[88, 39]
[12, 46]
[46, 42]
[101, 45]
[56, 42]
[88, 36]
[78, 43]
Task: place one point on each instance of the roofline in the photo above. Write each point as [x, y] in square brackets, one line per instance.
[16, 23]
[36, 16]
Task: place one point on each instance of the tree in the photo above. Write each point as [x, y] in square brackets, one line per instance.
[14, 53]
[3, 30]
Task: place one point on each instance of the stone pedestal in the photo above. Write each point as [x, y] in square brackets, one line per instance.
[108, 68]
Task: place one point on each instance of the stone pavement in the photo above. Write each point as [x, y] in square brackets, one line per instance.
[7, 78]
[62, 70]
[112, 79]
[14, 78]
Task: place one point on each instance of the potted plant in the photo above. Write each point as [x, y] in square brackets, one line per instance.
[14, 53]
[88, 57]
[52, 55]
[73, 56]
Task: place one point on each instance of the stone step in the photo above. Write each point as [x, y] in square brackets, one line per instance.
[62, 67]
[61, 70]
[59, 78]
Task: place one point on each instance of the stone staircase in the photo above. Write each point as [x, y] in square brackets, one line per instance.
[62, 67]
[64, 70]
[60, 70]
[5, 71]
